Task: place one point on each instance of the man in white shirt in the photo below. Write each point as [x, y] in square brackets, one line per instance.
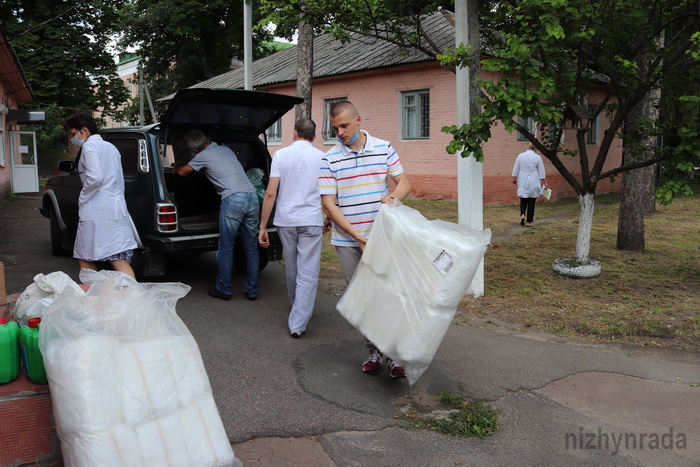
[298, 218]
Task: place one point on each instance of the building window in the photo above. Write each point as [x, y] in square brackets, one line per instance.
[552, 132]
[592, 134]
[415, 114]
[328, 133]
[530, 125]
[274, 133]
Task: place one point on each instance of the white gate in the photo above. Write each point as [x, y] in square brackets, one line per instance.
[25, 173]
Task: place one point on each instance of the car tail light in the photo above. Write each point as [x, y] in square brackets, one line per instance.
[166, 217]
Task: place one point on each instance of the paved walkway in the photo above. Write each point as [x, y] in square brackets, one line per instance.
[305, 402]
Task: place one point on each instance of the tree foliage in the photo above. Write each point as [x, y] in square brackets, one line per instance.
[548, 54]
[395, 21]
[63, 49]
[546, 57]
[182, 42]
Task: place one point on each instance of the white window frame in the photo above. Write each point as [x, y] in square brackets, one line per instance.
[274, 134]
[592, 133]
[327, 132]
[529, 124]
[419, 127]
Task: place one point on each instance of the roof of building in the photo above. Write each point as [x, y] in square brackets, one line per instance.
[128, 57]
[333, 57]
[11, 72]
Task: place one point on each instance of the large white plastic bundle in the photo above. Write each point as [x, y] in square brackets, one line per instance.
[127, 381]
[412, 275]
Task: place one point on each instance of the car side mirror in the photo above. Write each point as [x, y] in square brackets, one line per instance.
[65, 166]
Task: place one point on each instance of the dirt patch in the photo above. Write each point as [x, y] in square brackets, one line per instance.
[332, 283]
[421, 403]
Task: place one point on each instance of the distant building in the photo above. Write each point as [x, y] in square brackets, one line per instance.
[127, 69]
[405, 98]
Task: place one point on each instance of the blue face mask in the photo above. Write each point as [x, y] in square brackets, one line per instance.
[354, 138]
[76, 141]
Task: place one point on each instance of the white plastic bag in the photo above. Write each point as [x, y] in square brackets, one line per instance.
[38, 296]
[406, 288]
[127, 378]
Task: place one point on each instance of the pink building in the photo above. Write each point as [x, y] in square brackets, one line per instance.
[406, 99]
[126, 70]
[18, 168]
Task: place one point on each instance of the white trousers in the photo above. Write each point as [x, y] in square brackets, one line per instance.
[302, 258]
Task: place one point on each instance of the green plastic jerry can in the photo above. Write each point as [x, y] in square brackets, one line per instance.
[9, 350]
[32, 361]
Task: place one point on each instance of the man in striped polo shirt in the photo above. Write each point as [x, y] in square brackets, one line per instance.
[353, 183]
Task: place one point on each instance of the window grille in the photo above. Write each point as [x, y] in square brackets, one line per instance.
[530, 125]
[274, 133]
[415, 112]
[328, 133]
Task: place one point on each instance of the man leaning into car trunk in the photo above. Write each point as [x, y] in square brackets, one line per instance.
[240, 208]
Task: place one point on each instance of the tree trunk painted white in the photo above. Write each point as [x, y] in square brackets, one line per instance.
[585, 225]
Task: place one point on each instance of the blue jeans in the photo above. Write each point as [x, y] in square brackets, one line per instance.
[238, 209]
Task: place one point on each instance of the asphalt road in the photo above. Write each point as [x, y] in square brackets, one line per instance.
[305, 401]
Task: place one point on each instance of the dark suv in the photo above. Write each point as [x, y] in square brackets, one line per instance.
[172, 214]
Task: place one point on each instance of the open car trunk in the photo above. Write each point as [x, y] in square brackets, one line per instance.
[194, 195]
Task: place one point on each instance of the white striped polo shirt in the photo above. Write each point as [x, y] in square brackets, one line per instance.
[360, 181]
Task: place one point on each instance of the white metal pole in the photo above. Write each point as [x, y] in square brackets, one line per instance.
[247, 44]
[470, 183]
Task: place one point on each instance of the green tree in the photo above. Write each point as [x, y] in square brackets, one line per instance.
[395, 21]
[548, 53]
[187, 41]
[62, 47]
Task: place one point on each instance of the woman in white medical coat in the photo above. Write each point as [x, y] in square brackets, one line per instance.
[528, 173]
[104, 228]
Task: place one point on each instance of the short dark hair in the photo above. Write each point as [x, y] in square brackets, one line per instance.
[78, 121]
[305, 128]
[340, 107]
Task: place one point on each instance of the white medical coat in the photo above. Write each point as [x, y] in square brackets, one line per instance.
[104, 228]
[529, 169]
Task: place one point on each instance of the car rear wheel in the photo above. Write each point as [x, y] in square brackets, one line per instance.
[56, 236]
[239, 260]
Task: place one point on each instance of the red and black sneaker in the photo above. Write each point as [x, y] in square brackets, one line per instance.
[373, 363]
[396, 370]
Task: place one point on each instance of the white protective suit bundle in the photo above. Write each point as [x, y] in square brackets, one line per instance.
[406, 288]
[127, 382]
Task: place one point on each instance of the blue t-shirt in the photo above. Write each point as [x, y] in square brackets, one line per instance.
[223, 170]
